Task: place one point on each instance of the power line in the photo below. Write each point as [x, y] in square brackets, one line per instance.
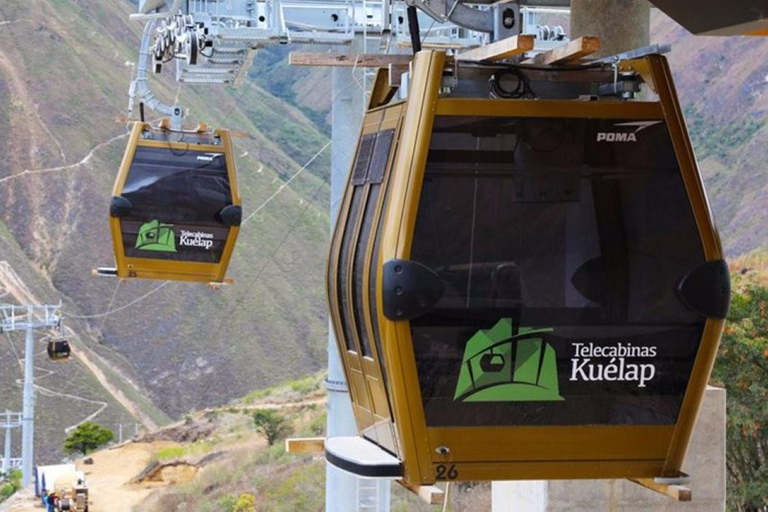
[109, 306]
[100, 315]
[281, 187]
[15, 353]
[294, 225]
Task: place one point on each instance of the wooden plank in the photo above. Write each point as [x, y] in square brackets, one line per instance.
[676, 492]
[360, 60]
[428, 493]
[396, 73]
[426, 45]
[500, 50]
[381, 92]
[569, 52]
[305, 445]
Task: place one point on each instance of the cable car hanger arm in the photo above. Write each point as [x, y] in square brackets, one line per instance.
[139, 89]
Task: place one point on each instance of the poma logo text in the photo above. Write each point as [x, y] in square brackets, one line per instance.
[616, 137]
[625, 136]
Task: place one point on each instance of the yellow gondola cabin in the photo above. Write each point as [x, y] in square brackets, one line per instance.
[175, 211]
[525, 281]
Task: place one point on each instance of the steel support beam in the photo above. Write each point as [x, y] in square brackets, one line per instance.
[28, 418]
[28, 318]
[7, 448]
[347, 106]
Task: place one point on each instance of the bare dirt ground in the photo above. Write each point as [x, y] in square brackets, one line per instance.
[109, 477]
[108, 480]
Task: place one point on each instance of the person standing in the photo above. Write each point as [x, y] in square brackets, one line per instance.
[48, 500]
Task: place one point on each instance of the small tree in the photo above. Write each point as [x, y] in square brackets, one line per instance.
[245, 503]
[742, 368]
[270, 424]
[10, 484]
[87, 437]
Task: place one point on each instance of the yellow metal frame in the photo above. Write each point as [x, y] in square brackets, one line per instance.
[148, 268]
[364, 374]
[549, 452]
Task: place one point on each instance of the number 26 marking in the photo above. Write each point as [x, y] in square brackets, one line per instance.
[447, 473]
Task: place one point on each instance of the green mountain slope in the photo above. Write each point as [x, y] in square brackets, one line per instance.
[63, 83]
[67, 393]
[723, 86]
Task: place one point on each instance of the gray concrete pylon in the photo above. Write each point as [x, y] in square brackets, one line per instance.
[341, 488]
[347, 105]
[621, 25]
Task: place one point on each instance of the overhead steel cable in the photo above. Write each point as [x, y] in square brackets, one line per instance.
[288, 182]
[125, 306]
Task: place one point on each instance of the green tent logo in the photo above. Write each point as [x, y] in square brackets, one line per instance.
[154, 236]
[499, 367]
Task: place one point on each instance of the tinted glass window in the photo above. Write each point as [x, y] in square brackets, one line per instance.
[559, 243]
[347, 244]
[388, 136]
[176, 197]
[378, 164]
[360, 170]
[380, 156]
[358, 289]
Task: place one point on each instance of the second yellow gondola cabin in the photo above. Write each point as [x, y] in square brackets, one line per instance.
[58, 349]
[525, 281]
[175, 211]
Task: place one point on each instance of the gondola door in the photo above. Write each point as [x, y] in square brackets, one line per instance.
[350, 294]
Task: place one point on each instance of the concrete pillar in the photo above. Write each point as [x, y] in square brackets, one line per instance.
[346, 117]
[705, 462]
[621, 25]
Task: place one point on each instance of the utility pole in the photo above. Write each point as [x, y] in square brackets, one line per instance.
[28, 318]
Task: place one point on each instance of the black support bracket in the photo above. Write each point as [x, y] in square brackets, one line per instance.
[410, 289]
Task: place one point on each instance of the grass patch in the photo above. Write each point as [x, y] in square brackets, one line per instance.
[179, 452]
[717, 139]
[172, 452]
[288, 390]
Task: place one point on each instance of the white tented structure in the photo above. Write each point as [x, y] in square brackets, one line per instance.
[45, 476]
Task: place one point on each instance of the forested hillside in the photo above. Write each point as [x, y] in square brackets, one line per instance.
[64, 74]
